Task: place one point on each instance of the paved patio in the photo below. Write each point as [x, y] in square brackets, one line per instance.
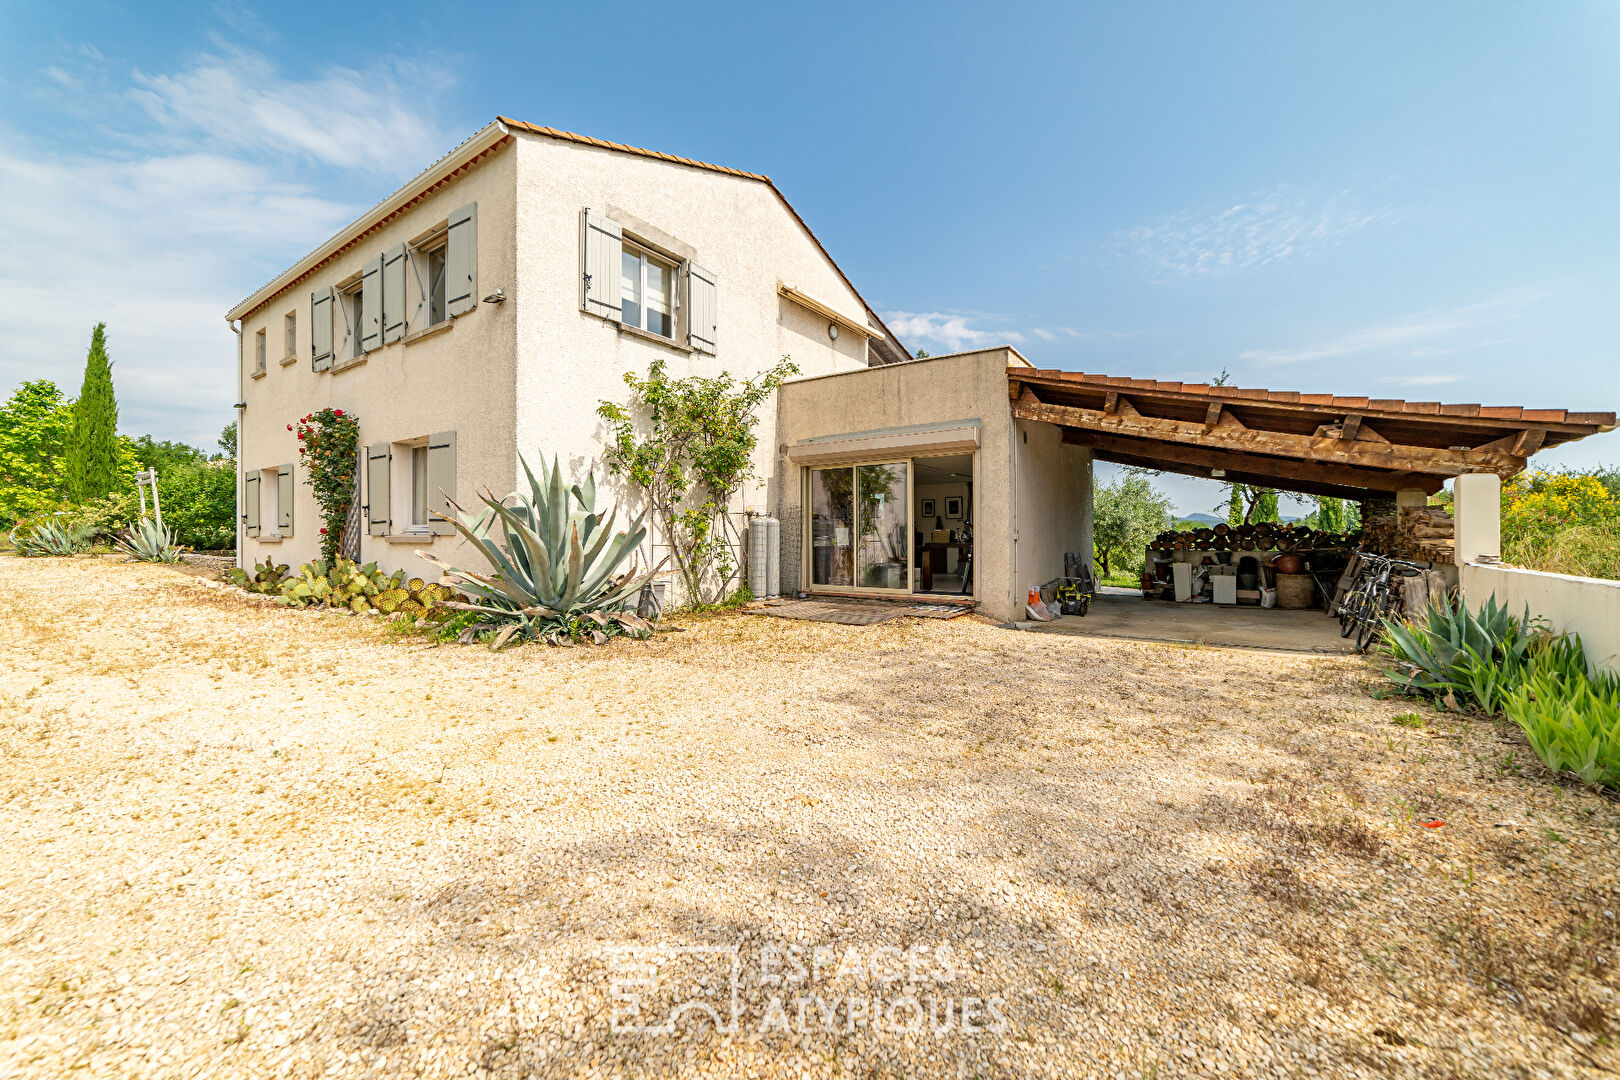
[1122, 613]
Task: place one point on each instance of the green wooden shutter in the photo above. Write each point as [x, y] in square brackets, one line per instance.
[284, 500]
[601, 252]
[377, 478]
[393, 294]
[250, 503]
[320, 329]
[441, 480]
[461, 262]
[370, 329]
[702, 308]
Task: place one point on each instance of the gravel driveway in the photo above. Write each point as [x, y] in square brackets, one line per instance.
[245, 841]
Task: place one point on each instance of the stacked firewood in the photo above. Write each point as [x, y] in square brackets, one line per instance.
[1257, 536]
[1412, 532]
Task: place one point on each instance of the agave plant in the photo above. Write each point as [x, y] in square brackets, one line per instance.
[51, 538]
[557, 575]
[147, 541]
[1454, 651]
[1570, 717]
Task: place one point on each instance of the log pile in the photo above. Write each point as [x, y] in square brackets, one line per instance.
[1412, 532]
[1258, 536]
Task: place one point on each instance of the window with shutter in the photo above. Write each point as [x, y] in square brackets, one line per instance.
[371, 306]
[320, 329]
[284, 500]
[601, 266]
[461, 261]
[393, 294]
[250, 503]
[702, 308]
[441, 480]
[378, 460]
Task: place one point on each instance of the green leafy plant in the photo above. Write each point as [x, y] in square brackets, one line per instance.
[1570, 717]
[557, 575]
[1476, 656]
[328, 448]
[266, 579]
[341, 583]
[695, 454]
[51, 538]
[147, 541]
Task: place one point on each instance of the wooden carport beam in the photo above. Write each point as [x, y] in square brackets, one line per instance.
[1315, 478]
[1304, 448]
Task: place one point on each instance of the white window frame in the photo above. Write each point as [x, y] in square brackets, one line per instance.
[270, 503]
[403, 486]
[644, 253]
[289, 337]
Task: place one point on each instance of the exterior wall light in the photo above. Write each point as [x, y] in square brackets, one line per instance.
[832, 330]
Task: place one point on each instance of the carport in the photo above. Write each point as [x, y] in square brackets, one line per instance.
[1384, 453]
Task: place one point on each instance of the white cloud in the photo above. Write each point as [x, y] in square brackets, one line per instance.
[1406, 333]
[344, 118]
[948, 331]
[1268, 226]
[171, 215]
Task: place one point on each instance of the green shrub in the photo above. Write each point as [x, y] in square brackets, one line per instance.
[1455, 653]
[104, 517]
[1571, 718]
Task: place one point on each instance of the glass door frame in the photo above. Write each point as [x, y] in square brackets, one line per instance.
[808, 568]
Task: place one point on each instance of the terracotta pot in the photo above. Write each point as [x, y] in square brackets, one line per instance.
[1288, 563]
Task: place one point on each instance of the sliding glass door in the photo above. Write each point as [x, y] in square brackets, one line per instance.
[860, 527]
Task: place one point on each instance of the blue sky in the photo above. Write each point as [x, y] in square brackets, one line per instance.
[1393, 199]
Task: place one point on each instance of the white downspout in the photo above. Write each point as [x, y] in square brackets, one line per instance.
[241, 407]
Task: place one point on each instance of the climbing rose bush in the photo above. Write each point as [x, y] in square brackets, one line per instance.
[328, 448]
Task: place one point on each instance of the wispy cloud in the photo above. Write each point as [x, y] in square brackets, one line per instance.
[950, 331]
[1408, 335]
[175, 214]
[1266, 227]
[343, 118]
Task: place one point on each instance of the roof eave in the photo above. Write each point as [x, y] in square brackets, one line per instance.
[481, 141]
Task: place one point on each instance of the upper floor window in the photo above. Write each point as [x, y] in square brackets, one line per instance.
[289, 337]
[354, 311]
[258, 352]
[431, 262]
[646, 291]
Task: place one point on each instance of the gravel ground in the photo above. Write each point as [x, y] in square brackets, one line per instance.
[246, 841]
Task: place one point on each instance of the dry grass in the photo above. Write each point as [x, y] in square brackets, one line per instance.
[248, 841]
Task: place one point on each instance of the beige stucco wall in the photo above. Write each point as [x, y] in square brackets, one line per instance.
[736, 228]
[459, 379]
[1018, 542]
[1589, 607]
[1052, 513]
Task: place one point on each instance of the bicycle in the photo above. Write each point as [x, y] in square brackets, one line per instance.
[1368, 603]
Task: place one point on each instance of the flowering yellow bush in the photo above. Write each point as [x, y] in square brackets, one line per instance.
[1561, 521]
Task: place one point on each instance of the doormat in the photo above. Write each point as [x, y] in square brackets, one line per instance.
[853, 612]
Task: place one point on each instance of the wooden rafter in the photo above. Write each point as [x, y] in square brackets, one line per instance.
[1307, 448]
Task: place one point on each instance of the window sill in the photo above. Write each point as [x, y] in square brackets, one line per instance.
[658, 339]
[257, 374]
[431, 331]
[411, 538]
[351, 362]
[268, 538]
[285, 360]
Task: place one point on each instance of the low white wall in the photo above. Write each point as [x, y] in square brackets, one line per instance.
[1589, 607]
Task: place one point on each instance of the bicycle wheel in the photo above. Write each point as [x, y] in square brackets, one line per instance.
[1372, 620]
[1349, 609]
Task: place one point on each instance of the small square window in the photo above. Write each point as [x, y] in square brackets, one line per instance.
[647, 291]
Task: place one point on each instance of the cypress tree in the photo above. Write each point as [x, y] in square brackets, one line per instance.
[92, 451]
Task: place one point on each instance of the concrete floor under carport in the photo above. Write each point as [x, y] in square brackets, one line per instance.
[1122, 613]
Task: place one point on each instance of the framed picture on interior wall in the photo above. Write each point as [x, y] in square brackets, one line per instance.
[953, 506]
[928, 508]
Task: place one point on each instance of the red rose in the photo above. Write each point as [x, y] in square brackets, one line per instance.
[338, 413]
[323, 532]
[289, 427]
